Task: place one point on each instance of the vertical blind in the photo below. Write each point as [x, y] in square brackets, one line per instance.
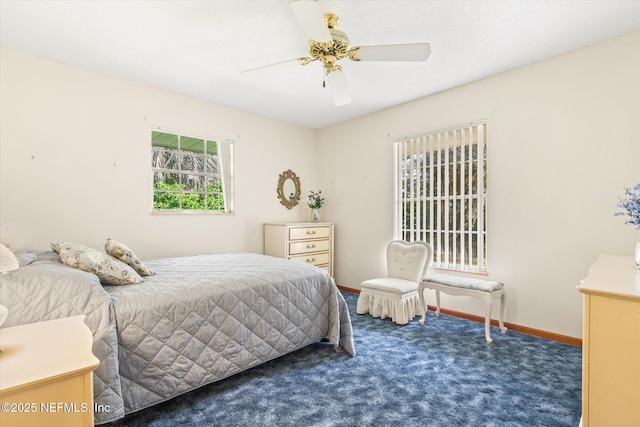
[441, 195]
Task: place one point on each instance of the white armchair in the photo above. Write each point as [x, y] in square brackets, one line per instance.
[396, 295]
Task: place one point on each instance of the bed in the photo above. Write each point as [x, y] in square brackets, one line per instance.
[197, 320]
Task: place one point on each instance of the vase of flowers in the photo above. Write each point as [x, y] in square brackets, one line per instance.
[630, 206]
[315, 202]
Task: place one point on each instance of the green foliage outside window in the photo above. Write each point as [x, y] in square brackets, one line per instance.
[176, 196]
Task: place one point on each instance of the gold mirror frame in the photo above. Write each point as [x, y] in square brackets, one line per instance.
[295, 197]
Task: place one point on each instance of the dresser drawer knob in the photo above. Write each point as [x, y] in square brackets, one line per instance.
[311, 246]
[311, 231]
[311, 259]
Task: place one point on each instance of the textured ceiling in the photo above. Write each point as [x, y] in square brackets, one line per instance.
[199, 48]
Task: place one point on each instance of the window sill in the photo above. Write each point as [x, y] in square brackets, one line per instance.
[187, 212]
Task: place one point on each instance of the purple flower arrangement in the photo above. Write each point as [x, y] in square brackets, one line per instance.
[630, 205]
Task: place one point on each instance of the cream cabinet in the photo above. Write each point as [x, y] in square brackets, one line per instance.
[611, 343]
[308, 242]
[46, 374]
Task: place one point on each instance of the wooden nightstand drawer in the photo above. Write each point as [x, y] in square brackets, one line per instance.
[309, 246]
[314, 259]
[303, 233]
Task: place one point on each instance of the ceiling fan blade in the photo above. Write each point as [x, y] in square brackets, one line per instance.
[312, 19]
[282, 65]
[339, 88]
[391, 52]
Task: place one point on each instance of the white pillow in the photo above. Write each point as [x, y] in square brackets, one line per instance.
[25, 257]
[108, 269]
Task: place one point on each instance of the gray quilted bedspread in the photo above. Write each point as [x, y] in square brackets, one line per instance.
[47, 290]
[198, 320]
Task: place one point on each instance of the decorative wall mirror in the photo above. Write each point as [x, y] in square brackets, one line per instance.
[289, 189]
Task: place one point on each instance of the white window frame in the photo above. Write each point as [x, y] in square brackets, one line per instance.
[451, 179]
[224, 174]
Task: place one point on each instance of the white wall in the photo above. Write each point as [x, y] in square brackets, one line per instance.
[564, 141]
[75, 163]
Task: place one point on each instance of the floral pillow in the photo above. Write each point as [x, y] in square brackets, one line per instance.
[123, 253]
[108, 269]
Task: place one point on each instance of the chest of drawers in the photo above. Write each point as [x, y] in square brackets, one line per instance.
[308, 242]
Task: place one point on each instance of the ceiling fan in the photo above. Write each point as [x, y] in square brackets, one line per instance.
[329, 45]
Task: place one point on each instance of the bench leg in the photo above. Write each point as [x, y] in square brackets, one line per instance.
[503, 301]
[487, 319]
[423, 305]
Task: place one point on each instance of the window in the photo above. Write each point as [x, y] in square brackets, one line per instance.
[191, 173]
[441, 184]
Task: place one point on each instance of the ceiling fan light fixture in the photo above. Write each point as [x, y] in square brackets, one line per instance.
[328, 45]
[338, 47]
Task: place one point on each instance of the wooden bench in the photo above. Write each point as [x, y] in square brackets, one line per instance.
[457, 285]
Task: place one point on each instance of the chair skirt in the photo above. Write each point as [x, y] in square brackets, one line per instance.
[401, 308]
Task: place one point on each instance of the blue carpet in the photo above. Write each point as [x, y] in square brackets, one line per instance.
[440, 374]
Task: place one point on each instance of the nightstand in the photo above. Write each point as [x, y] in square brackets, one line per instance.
[46, 373]
[308, 242]
[611, 343]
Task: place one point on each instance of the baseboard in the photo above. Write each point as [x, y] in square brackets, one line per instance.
[524, 329]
